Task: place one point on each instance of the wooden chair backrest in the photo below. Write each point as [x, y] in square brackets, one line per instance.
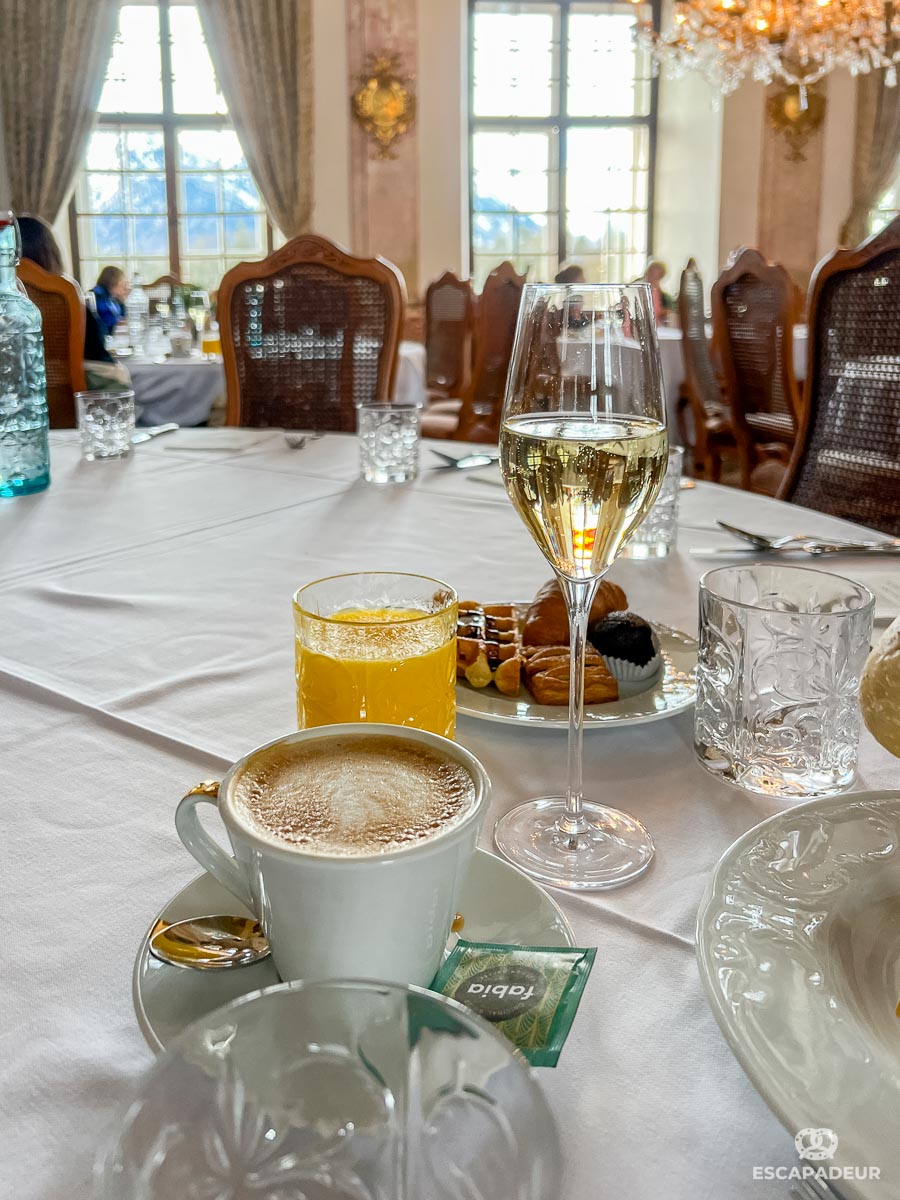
[753, 311]
[495, 329]
[61, 304]
[308, 334]
[448, 328]
[846, 459]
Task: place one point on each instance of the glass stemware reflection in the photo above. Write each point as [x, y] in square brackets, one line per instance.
[583, 453]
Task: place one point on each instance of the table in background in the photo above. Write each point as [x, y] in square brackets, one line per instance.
[183, 390]
[147, 642]
[191, 391]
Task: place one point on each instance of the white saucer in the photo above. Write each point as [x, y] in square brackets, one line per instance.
[798, 944]
[671, 692]
[499, 904]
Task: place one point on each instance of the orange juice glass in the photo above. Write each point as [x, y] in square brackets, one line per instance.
[376, 647]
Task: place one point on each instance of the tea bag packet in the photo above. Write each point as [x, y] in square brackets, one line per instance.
[531, 993]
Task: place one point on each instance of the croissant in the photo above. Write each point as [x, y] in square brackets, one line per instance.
[547, 676]
[547, 621]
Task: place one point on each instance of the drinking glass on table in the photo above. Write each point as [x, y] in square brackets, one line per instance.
[388, 442]
[782, 651]
[658, 532]
[106, 423]
[376, 647]
[583, 452]
[198, 310]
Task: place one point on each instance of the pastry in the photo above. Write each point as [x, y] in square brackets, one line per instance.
[879, 690]
[547, 676]
[628, 643]
[488, 647]
[547, 621]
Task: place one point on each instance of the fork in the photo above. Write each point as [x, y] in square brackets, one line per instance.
[808, 541]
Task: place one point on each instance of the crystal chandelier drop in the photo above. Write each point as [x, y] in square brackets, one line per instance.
[796, 41]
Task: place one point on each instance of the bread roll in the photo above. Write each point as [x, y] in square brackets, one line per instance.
[879, 690]
[547, 621]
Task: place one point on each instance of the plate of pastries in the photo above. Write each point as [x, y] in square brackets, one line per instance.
[513, 660]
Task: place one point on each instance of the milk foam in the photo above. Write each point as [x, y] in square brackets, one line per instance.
[353, 796]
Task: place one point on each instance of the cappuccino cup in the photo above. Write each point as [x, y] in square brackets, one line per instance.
[351, 843]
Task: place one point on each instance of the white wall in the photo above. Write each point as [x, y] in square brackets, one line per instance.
[837, 158]
[742, 139]
[688, 177]
[331, 105]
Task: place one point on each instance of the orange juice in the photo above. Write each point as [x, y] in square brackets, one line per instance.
[393, 665]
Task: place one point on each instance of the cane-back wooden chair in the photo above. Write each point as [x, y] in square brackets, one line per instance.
[495, 329]
[709, 411]
[753, 311]
[448, 329]
[847, 458]
[61, 305]
[308, 334]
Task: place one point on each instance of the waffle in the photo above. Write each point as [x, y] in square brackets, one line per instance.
[489, 646]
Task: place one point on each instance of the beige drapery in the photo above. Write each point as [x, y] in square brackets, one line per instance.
[50, 84]
[262, 53]
[877, 154]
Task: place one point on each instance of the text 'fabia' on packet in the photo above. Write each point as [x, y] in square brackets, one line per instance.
[531, 993]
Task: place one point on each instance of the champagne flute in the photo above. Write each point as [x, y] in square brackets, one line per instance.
[583, 451]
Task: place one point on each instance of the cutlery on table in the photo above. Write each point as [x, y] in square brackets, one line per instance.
[484, 458]
[152, 431]
[799, 540]
[209, 943]
[812, 547]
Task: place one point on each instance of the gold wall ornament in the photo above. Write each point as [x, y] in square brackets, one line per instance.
[384, 106]
[796, 117]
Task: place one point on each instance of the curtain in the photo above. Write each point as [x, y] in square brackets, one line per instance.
[50, 84]
[262, 53]
[877, 153]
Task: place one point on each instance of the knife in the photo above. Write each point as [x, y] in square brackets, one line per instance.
[152, 431]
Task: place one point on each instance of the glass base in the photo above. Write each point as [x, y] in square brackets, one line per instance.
[19, 486]
[615, 849]
[645, 550]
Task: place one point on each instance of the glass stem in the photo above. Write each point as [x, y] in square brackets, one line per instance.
[579, 596]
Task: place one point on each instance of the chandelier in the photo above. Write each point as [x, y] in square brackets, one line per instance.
[796, 41]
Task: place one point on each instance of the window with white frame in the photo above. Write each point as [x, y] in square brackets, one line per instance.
[164, 187]
[562, 137]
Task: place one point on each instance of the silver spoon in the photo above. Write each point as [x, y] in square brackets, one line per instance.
[483, 459]
[209, 943]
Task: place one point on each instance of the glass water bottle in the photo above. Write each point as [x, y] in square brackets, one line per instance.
[24, 450]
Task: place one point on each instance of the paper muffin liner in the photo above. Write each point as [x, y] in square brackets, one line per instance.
[629, 672]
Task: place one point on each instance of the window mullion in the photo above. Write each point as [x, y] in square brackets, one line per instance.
[562, 136]
[168, 123]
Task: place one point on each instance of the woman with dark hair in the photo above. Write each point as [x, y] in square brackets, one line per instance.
[40, 246]
[111, 291]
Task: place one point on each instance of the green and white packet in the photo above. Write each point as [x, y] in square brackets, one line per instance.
[531, 993]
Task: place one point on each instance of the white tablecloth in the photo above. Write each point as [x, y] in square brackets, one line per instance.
[147, 641]
[183, 390]
[187, 390]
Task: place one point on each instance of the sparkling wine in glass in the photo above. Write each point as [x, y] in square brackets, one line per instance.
[583, 451]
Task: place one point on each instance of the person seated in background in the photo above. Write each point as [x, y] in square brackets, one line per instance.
[40, 246]
[570, 274]
[111, 291]
[663, 304]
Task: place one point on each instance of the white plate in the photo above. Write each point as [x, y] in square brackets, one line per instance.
[798, 943]
[672, 692]
[499, 904]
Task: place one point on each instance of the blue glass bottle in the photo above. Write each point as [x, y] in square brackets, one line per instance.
[24, 450]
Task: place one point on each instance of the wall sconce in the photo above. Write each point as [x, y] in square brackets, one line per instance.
[384, 105]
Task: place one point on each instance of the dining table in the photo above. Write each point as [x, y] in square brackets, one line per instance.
[147, 642]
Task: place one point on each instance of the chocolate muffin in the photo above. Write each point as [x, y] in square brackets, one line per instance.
[628, 644]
